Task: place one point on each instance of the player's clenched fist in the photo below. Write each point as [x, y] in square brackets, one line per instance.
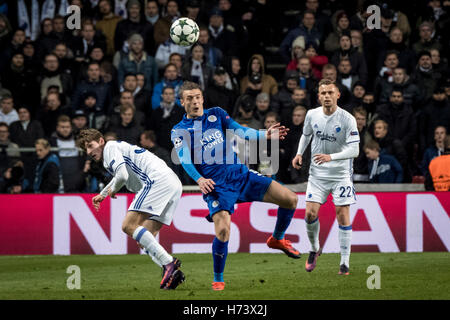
[297, 161]
[96, 201]
[206, 185]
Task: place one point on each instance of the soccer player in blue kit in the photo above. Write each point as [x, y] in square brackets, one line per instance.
[223, 183]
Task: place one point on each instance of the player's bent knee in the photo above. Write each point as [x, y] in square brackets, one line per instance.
[128, 228]
[223, 233]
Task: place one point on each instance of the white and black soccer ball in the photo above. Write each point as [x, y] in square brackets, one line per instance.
[184, 32]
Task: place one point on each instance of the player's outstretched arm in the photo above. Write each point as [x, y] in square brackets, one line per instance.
[297, 161]
[304, 141]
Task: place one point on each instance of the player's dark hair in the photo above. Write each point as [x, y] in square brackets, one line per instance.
[86, 136]
[188, 85]
[326, 82]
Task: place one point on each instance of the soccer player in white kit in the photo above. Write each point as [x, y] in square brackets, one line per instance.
[335, 142]
[157, 189]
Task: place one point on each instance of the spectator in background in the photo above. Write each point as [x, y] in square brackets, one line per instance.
[262, 102]
[306, 77]
[108, 25]
[390, 146]
[257, 80]
[213, 54]
[383, 168]
[360, 163]
[440, 169]
[21, 80]
[196, 68]
[424, 77]
[96, 117]
[297, 51]
[79, 122]
[177, 60]
[152, 12]
[357, 59]
[165, 50]
[436, 113]
[233, 81]
[357, 40]
[89, 38]
[141, 96]
[345, 76]
[165, 117]
[385, 76]
[5, 31]
[340, 23]
[148, 141]
[406, 57]
[170, 79]
[283, 99]
[162, 26]
[94, 83]
[439, 65]
[49, 112]
[53, 76]
[400, 119]
[356, 100]
[245, 112]
[411, 93]
[307, 29]
[71, 164]
[427, 40]
[57, 35]
[134, 23]
[138, 61]
[317, 61]
[7, 112]
[217, 94]
[8, 50]
[127, 129]
[7, 157]
[289, 146]
[222, 37]
[432, 152]
[25, 132]
[65, 59]
[48, 177]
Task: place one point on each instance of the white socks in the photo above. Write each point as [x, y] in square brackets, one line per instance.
[313, 229]
[158, 254]
[345, 243]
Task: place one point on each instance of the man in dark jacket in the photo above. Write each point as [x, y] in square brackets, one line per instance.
[128, 129]
[432, 152]
[436, 113]
[165, 118]
[424, 76]
[135, 23]
[94, 83]
[400, 118]
[283, 98]
[383, 168]
[217, 94]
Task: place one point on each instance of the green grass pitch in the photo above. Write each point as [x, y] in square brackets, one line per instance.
[247, 276]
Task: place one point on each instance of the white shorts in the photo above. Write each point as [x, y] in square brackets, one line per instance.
[343, 191]
[159, 199]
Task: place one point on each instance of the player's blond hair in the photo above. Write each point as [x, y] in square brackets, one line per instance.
[86, 136]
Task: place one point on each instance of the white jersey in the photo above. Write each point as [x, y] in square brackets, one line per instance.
[330, 135]
[143, 167]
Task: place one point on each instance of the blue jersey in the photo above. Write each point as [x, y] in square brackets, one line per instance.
[205, 149]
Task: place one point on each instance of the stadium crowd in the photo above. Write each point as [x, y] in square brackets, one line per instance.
[260, 60]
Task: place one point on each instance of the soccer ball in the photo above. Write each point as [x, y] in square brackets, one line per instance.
[184, 31]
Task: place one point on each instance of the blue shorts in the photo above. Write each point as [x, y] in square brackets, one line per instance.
[237, 187]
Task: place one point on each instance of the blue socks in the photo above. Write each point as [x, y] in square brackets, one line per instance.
[284, 217]
[219, 253]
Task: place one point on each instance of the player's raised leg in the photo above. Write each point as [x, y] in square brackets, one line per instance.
[312, 229]
[345, 237]
[287, 200]
[154, 227]
[132, 226]
[222, 221]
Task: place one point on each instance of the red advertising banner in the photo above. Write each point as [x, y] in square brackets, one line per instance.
[68, 224]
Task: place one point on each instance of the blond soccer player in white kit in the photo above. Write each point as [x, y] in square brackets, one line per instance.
[335, 142]
[157, 189]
